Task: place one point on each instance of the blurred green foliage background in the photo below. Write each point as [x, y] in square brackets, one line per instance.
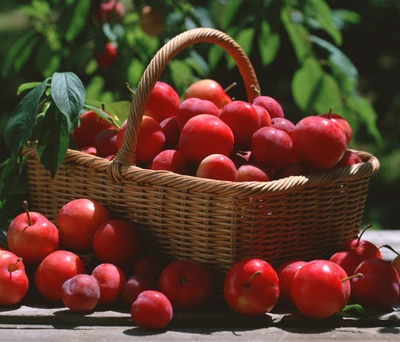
[308, 54]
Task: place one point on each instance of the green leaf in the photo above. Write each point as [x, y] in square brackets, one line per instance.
[33, 12]
[339, 62]
[10, 169]
[47, 60]
[343, 17]
[26, 86]
[367, 113]
[135, 71]
[214, 55]
[78, 19]
[202, 15]
[306, 84]
[121, 109]
[143, 44]
[25, 54]
[329, 96]
[197, 62]
[53, 39]
[245, 40]
[107, 114]
[13, 189]
[20, 125]
[298, 35]
[113, 32]
[15, 50]
[181, 75]
[69, 95]
[42, 6]
[229, 12]
[54, 140]
[95, 87]
[268, 43]
[324, 17]
[354, 310]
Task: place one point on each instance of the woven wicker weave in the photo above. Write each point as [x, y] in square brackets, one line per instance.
[215, 222]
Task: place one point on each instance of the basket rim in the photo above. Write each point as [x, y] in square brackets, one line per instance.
[184, 183]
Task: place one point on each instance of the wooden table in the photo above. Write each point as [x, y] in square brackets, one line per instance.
[33, 321]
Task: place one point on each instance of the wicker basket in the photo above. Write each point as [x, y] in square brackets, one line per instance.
[214, 222]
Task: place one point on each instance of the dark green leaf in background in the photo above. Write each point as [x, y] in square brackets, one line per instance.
[229, 11]
[15, 50]
[181, 75]
[69, 95]
[367, 113]
[25, 53]
[135, 72]
[13, 190]
[78, 19]
[214, 55]
[20, 125]
[202, 16]
[268, 43]
[343, 17]
[54, 140]
[38, 9]
[339, 62]
[53, 39]
[198, 63]
[307, 83]
[329, 96]
[298, 35]
[10, 169]
[324, 17]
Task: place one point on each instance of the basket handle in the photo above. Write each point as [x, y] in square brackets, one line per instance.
[126, 155]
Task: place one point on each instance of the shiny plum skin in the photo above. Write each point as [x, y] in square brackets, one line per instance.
[208, 90]
[379, 288]
[203, 135]
[192, 107]
[244, 120]
[271, 147]
[318, 142]
[272, 106]
[318, 290]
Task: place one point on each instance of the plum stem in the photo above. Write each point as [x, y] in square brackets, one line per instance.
[255, 274]
[25, 206]
[358, 275]
[359, 238]
[391, 248]
[234, 84]
[10, 269]
[329, 113]
[129, 88]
